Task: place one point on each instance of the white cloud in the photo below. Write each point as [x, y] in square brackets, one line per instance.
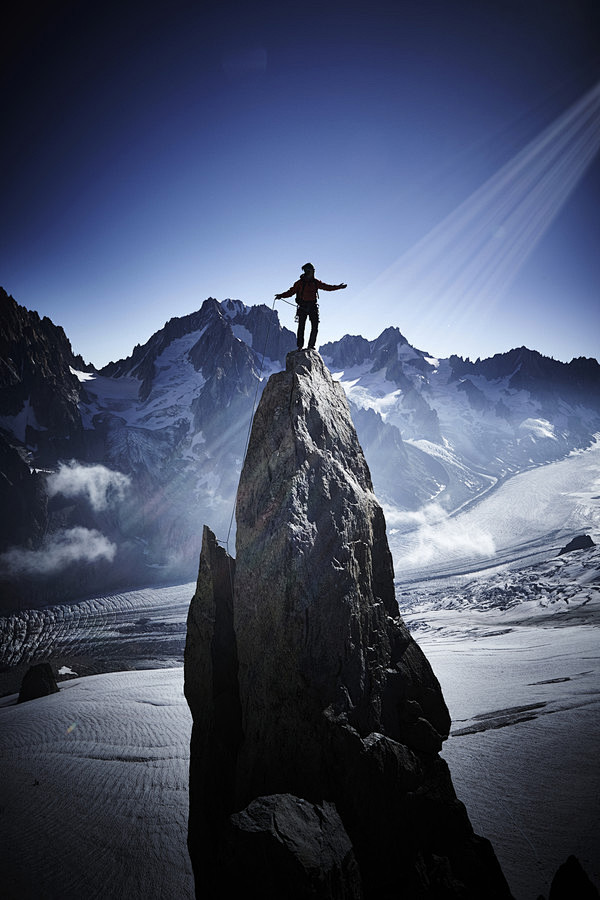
[434, 534]
[101, 486]
[59, 551]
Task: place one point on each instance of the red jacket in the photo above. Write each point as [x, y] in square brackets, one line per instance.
[307, 290]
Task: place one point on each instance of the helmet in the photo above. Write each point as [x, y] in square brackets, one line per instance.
[307, 266]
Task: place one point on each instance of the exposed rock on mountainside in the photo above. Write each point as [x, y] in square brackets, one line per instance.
[38, 409]
[543, 377]
[335, 700]
[36, 383]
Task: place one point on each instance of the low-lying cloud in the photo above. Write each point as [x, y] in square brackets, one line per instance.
[99, 485]
[60, 550]
[433, 535]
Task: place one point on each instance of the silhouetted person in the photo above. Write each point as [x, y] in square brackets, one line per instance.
[306, 290]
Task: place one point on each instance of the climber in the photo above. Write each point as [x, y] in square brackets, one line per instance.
[306, 291]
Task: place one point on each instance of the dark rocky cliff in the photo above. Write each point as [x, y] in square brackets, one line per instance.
[313, 707]
[40, 395]
[35, 377]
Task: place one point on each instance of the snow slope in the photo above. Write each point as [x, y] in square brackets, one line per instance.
[175, 387]
[106, 760]
[93, 791]
[523, 752]
[517, 653]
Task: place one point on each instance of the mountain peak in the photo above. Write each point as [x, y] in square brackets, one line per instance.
[259, 326]
[233, 308]
[35, 373]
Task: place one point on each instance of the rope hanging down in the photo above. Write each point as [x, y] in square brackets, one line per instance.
[258, 382]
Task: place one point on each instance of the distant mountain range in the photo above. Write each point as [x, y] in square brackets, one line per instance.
[107, 476]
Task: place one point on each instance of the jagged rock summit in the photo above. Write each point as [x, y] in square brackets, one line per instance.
[304, 682]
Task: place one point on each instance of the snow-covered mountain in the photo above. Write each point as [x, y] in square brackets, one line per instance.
[109, 475]
[114, 489]
[464, 425]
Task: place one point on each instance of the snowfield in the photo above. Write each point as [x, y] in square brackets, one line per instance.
[517, 653]
[523, 751]
[94, 790]
[525, 702]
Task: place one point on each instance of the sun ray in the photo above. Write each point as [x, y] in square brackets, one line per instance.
[469, 260]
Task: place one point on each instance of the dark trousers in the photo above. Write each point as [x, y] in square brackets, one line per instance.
[312, 311]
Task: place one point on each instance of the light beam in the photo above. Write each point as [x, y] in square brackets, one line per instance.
[467, 262]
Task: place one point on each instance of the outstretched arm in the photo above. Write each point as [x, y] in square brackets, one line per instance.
[293, 290]
[330, 287]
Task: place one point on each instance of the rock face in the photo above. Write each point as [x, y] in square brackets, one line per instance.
[35, 379]
[284, 840]
[211, 690]
[314, 584]
[333, 702]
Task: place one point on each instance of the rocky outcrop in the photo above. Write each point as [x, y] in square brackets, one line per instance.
[581, 542]
[22, 492]
[211, 689]
[36, 383]
[337, 704]
[38, 681]
[306, 511]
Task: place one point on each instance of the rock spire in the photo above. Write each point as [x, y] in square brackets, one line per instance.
[332, 703]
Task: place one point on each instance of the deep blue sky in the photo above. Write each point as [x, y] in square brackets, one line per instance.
[155, 154]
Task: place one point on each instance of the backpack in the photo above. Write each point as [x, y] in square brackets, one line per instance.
[300, 293]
